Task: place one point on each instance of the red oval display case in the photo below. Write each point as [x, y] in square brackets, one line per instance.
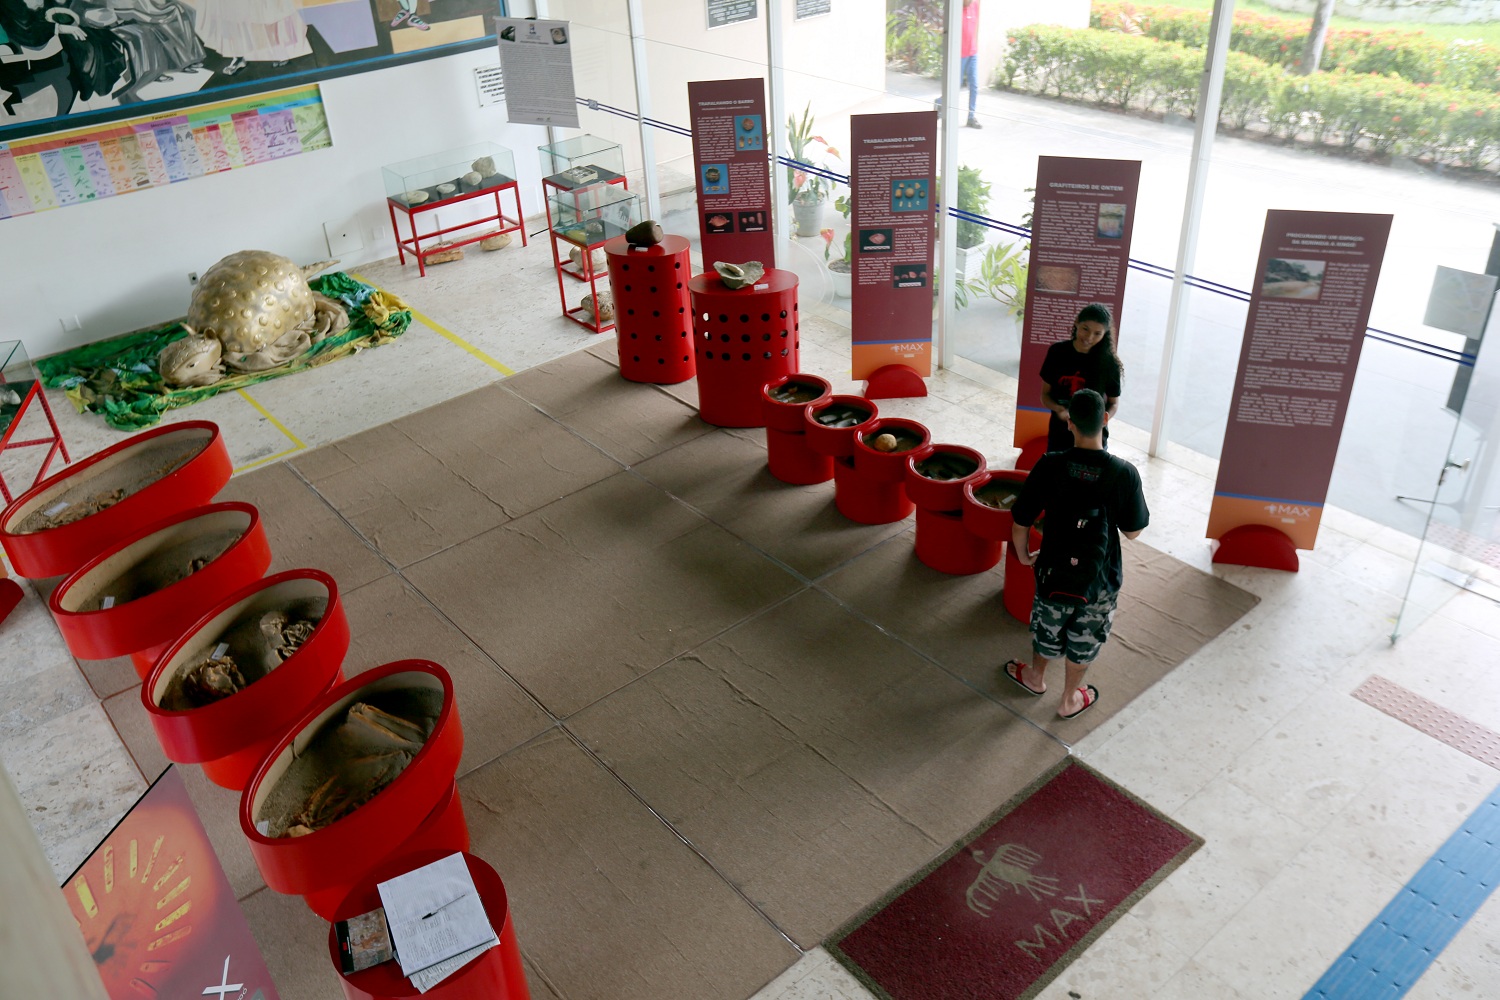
[418, 809]
[135, 597]
[199, 467]
[231, 735]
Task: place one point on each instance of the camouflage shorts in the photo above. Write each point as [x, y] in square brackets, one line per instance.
[1077, 630]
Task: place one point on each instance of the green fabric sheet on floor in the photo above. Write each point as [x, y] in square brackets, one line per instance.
[117, 378]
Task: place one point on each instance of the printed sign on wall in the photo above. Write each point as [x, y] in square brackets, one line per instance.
[1081, 226]
[157, 912]
[82, 165]
[733, 171]
[1309, 307]
[893, 181]
[536, 61]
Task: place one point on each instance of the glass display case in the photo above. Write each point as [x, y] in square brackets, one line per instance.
[450, 174]
[582, 161]
[484, 170]
[589, 216]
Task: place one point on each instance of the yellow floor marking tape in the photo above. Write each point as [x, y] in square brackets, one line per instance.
[446, 334]
[297, 444]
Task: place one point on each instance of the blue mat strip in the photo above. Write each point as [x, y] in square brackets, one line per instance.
[1391, 954]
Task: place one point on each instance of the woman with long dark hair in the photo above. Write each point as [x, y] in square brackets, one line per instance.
[1086, 360]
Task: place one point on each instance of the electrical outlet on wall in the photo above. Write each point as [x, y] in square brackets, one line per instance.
[343, 237]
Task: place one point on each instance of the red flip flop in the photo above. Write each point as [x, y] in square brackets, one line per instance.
[1090, 698]
[1015, 677]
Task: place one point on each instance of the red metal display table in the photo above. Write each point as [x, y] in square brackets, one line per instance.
[413, 244]
[742, 339]
[18, 376]
[495, 975]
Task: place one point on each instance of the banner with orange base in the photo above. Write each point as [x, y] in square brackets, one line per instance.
[1315, 279]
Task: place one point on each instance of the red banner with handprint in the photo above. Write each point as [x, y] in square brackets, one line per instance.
[732, 171]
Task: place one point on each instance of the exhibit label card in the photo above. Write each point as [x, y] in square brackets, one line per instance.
[1309, 308]
[157, 912]
[733, 171]
[536, 60]
[1081, 226]
[893, 182]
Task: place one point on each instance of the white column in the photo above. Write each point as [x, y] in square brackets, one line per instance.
[643, 108]
[1209, 89]
[776, 128]
[948, 172]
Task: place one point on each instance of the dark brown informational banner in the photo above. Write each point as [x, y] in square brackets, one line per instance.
[1309, 308]
[1081, 225]
[733, 171]
[157, 912]
[894, 182]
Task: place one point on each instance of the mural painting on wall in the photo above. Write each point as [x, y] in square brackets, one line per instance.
[72, 62]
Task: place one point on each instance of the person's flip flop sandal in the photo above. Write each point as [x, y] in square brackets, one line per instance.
[1093, 699]
[1015, 677]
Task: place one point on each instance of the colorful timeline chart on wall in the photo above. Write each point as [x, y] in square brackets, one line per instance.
[82, 165]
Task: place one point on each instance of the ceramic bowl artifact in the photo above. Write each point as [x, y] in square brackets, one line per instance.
[740, 275]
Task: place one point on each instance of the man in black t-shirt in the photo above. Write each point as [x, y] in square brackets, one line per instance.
[1086, 360]
[1089, 498]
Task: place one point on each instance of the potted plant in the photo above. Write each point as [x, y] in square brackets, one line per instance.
[809, 192]
[973, 197]
[840, 268]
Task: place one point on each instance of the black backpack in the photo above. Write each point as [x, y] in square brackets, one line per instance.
[1075, 546]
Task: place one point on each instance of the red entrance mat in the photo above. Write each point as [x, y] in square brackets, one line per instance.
[1001, 913]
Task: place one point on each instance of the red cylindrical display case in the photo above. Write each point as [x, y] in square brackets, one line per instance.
[230, 736]
[653, 331]
[202, 467]
[828, 423]
[742, 339]
[98, 624]
[944, 543]
[495, 975]
[865, 500]
[935, 480]
[912, 440]
[783, 402]
[988, 499]
[1019, 588]
[417, 809]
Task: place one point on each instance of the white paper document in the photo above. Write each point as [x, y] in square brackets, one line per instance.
[435, 914]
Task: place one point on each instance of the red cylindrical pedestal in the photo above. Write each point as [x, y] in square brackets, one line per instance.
[866, 500]
[326, 863]
[1019, 588]
[652, 325]
[983, 519]
[836, 442]
[792, 461]
[61, 550]
[944, 543]
[142, 627]
[231, 736]
[890, 466]
[495, 975]
[930, 493]
[742, 339]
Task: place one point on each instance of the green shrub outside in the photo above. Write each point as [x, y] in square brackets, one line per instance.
[1381, 113]
[1279, 41]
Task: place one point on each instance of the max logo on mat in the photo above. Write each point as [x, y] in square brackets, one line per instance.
[1009, 870]
[1288, 510]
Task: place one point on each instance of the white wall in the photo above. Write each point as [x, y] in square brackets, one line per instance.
[122, 263]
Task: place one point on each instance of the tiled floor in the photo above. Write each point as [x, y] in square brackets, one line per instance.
[1315, 806]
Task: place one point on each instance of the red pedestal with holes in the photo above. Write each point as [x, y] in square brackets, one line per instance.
[143, 627]
[495, 975]
[653, 330]
[229, 737]
[742, 339]
[787, 453]
[419, 810]
[59, 551]
[942, 540]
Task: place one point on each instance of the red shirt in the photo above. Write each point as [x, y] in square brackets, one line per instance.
[970, 41]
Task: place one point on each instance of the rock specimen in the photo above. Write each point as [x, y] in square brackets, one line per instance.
[606, 306]
[442, 253]
[644, 234]
[495, 241]
[740, 275]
